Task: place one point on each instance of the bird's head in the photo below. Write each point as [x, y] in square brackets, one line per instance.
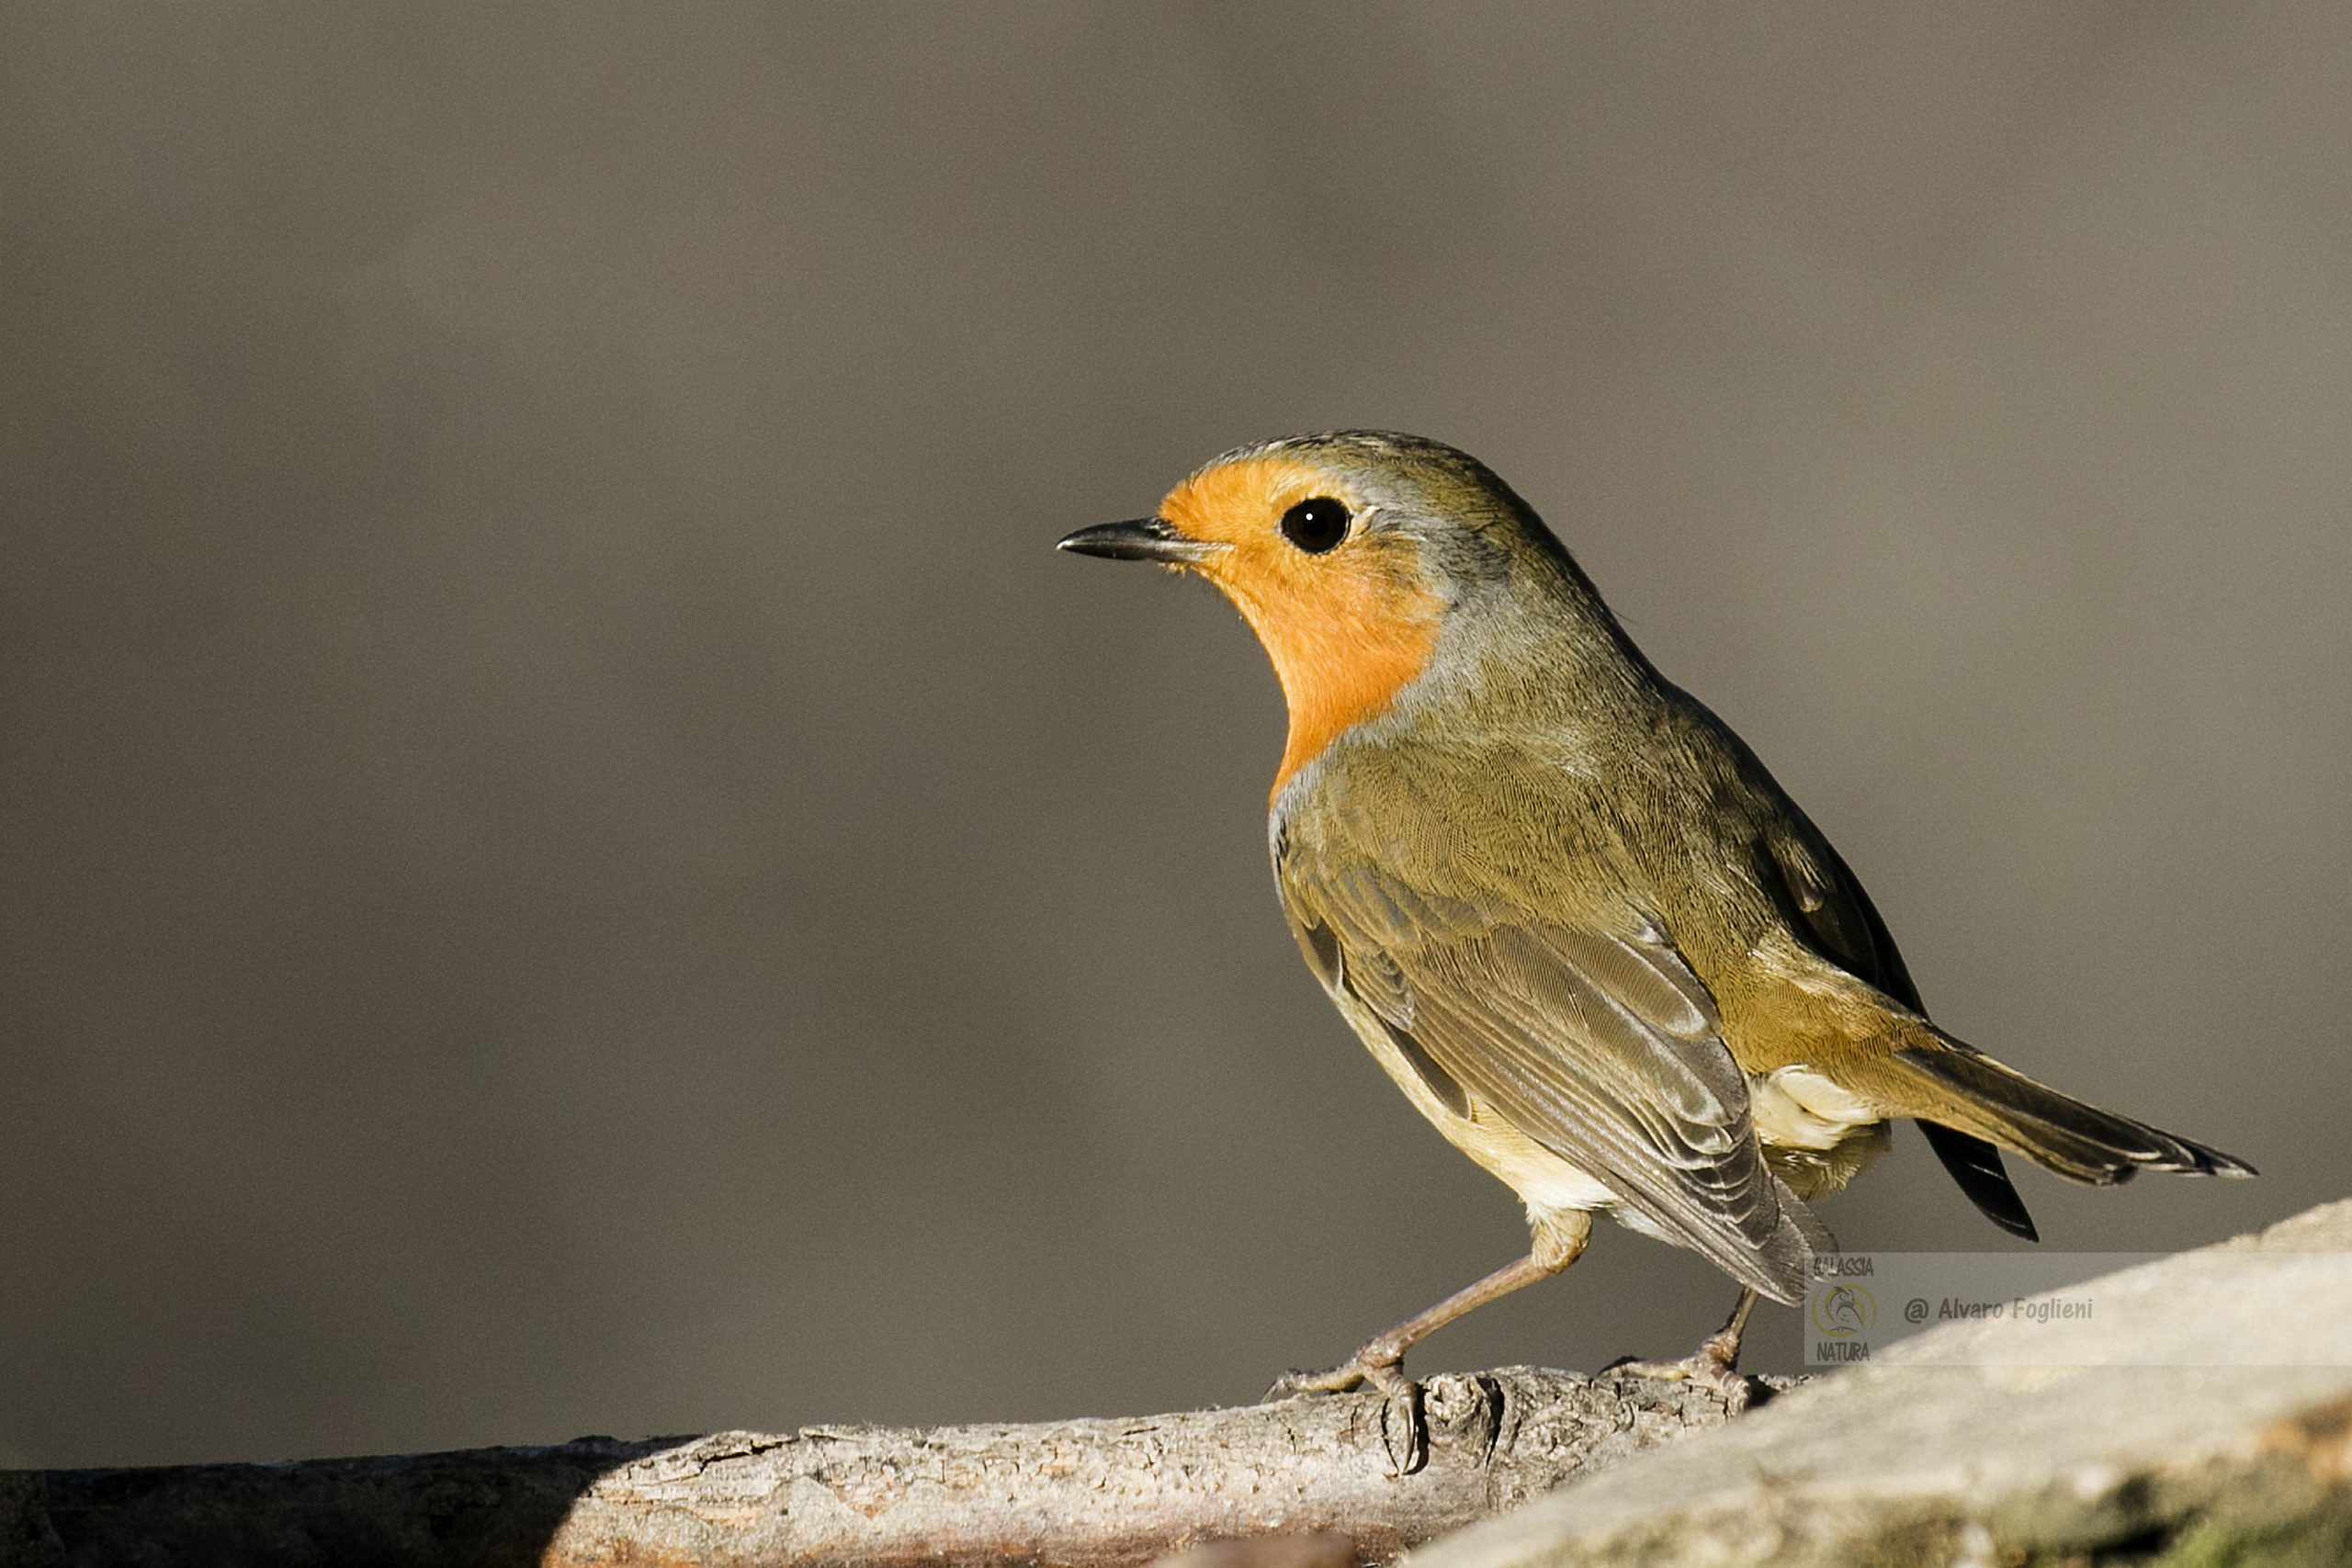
[1347, 552]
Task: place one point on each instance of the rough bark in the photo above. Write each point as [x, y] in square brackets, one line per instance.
[2203, 1417]
[1086, 1492]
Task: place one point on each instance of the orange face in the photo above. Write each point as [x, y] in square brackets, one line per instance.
[1347, 628]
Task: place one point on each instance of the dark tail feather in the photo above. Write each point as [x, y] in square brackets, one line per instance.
[1976, 1166]
[1997, 1104]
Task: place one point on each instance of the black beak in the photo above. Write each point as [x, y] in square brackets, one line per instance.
[1146, 538]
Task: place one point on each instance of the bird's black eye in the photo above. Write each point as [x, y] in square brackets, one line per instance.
[1316, 526]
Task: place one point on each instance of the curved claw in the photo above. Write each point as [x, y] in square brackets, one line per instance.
[1405, 1428]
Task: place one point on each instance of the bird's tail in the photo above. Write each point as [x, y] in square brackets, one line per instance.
[1953, 1085]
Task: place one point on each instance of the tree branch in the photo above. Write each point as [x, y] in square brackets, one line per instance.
[1082, 1492]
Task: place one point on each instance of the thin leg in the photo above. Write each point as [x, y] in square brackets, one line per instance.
[1715, 1363]
[1378, 1362]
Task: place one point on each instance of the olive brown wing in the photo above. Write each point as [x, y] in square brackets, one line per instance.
[1602, 1047]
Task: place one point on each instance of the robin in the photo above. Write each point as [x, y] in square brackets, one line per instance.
[1565, 906]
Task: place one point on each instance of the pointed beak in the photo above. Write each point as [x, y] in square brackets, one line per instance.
[1146, 538]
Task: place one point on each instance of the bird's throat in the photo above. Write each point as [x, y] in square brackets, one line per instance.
[1341, 657]
[1346, 630]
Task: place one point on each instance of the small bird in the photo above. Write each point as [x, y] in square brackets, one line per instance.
[1567, 910]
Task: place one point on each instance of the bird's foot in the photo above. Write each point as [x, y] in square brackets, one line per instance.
[1352, 1373]
[1404, 1424]
[1379, 1362]
[1715, 1365]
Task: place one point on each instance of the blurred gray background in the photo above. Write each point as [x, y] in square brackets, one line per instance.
[573, 861]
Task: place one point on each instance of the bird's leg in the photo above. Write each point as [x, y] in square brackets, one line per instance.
[1377, 1361]
[1380, 1359]
[1715, 1364]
